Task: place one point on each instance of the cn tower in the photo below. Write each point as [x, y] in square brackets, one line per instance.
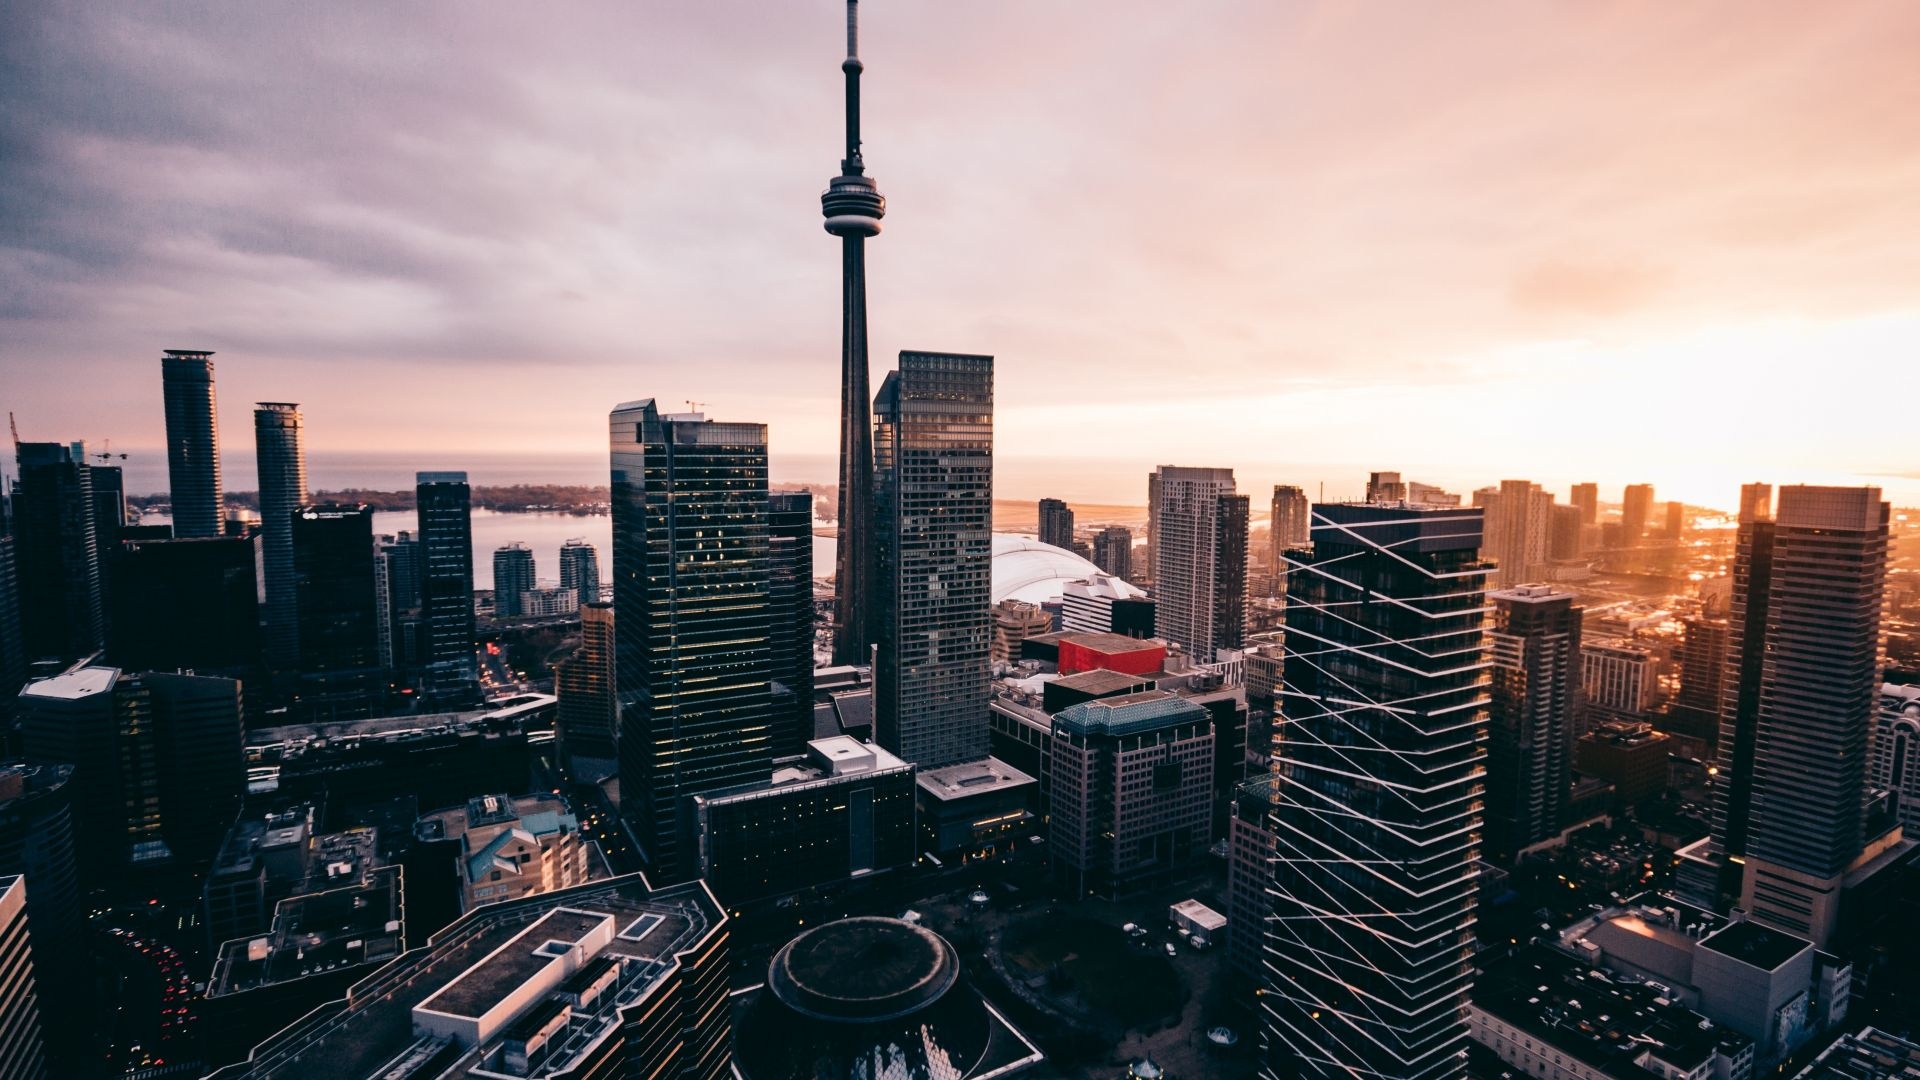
[853, 208]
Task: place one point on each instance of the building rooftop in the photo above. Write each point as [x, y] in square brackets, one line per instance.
[1112, 644]
[1754, 944]
[1129, 714]
[1870, 1055]
[73, 685]
[849, 757]
[1612, 1026]
[1100, 681]
[970, 778]
[488, 972]
[1026, 569]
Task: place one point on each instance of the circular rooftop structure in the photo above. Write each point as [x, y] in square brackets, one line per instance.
[864, 999]
[863, 969]
[1027, 570]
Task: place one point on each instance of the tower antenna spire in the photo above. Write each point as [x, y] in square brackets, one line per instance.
[852, 165]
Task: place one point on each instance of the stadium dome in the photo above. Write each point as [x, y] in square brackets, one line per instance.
[1028, 570]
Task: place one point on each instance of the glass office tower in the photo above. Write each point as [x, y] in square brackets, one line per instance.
[445, 510]
[193, 442]
[691, 616]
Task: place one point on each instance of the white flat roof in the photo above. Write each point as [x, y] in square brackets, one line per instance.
[74, 685]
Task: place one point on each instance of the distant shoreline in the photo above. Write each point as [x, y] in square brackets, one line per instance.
[579, 500]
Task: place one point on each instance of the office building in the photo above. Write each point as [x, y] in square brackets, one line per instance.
[691, 622]
[58, 567]
[1587, 498]
[513, 574]
[608, 979]
[444, 505]
[1756, 503]
[199, 731]
[916, 1016]
[193, 442]
[398, 559]
[790, 618]
[1113, 551]
[1703, 671]
[580, 570]
[338, 605]
[1636, 511]
[1535, 647]
[36, 840]
[1289, 525]
[282, 463]
[13, 644]
[1143, 573]
[974, 809]
[109, 519]
[853, 208]
[1056, 523]
[1102, 603]
[1249, 870]
[1619, 677]
[933, 525]
[23, 1051]
[1013, 623]
[1131, 792]
[588, 715]
[1385, 487]
[1368, 974]
[1630, 755]
[101, 722]
[1896, 751]
[186, 604]
[511, 848]
[842, 812]
[1200, 560]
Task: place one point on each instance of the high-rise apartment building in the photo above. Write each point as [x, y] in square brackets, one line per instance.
[109, 515]
[513, 574]
[1619, 677]
[23, 1052]
[1676, 520]
[1384, 487]
[1565, 540]
[1376, 814]
[1756, 502]
[62, 608]
[580, 570]
[1113, 551]
[1200, 560]
[338, 601]
[445, 507]
[1519, 530]
[1636, 510]
[689, 501]
[1587, 498]
[1056, 524]
[588, 712]
[1290, 525]
[1703, 676]
[399, 577]
[1535, 646]
[282, 462]
[790, 618]
[1144, 572]
[186, 604]
[1896, 752]
[193, 442]
[1813, 704]
[933, 511]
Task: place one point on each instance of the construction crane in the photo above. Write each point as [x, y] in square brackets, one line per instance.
[695, 406]
[14, 426]
[108, 455]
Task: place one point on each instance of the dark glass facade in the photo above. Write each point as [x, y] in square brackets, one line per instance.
[1530, 720]
[283, 489]
[339, 611]
[193, 442]
[933, 503]
[790, 618]
[1380, 768]
[62, 607]
[690, 620]
[445, 509]
[1056, 524]
[186, 604]
[778, 840]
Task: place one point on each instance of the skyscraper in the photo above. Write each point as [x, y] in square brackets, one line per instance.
[13, 644]
[22, 1046]
[1519, 531]
[790, 618]
[446, 582]
[689, 501]
[1636, 510]
[193, 442]
[62, 611]
[1587, 498]
[1530, 717]
[1756, 502]
[36, 839]
[1376, 810]
[282, 463]
[1056, 524]
[1288, 526]
[853, 208]
[100, 721]
[588, 712]
[1804, 661]
[1113, 551]
[186, 604]
[1199, 560]
[580, 570]
[933, 502]
[338, 602]
[199, 733]
[400, 573]
[513, 574]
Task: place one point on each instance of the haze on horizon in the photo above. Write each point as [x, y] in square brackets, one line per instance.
[1629, 241]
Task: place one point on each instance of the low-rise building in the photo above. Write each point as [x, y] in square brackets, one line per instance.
[1870, 1054]
[512, 848]
[1629, 754]
[1014, 621]
[973, 809]
[842, 812]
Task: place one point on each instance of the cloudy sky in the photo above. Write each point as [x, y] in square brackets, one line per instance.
[1628, 240]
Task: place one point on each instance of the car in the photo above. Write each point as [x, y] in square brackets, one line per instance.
[1171, 951]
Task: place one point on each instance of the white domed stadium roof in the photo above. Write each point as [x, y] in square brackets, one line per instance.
[1026, 569]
